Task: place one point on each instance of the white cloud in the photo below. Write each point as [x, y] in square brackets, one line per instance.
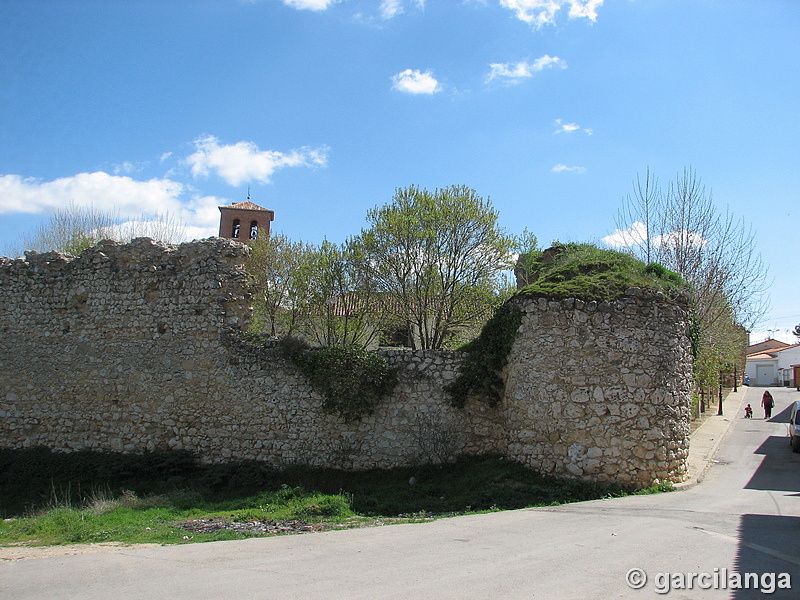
[584, 9]
[391, 8]
[415, 82]
[566, 127]
[678, 239]
[101, 190]
[387, 10]
[563, 127]
[127, 167]
[514, 73]
[560, 168]
[636, 234]
[243, 161]
[126, 198]
[543, 12]
[316, 5]
[633, 236]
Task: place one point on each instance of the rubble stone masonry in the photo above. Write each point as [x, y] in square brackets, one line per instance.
[134, 347]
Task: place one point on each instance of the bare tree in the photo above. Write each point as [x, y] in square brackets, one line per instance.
[74, 228]
[714, 252]
[642, 216]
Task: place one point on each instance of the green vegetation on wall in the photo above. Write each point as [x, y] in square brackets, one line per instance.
[479, 374]
[564, 271]
[590, 273]
[351, 380]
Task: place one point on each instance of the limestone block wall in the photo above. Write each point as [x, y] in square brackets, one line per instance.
[134, 347]
[601, 390]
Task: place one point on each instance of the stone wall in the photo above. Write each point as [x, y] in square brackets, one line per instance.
[134, 347]
[601, 390]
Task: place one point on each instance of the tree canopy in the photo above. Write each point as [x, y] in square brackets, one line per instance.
[323, 293]
[437, 258]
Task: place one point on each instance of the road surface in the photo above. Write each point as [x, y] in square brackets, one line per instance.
[743, 518]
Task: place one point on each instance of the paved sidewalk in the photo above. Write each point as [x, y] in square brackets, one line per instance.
[705, 440]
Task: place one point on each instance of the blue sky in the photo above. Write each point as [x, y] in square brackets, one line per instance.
[548, 107]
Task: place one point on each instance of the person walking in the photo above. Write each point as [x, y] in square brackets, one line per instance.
[767, 402]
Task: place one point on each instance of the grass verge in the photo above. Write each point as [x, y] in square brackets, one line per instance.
[167, 498]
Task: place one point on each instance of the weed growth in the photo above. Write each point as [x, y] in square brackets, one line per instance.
[229, 499]
[351, 380]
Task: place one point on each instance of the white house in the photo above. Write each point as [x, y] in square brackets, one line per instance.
[774, 367]
[789, 366]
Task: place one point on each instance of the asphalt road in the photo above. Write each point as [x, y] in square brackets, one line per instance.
[743, 518]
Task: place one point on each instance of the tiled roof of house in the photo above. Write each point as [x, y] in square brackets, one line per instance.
[760, 355]
[247, 205]
[768, 345]
[770, 353]
[788, 347]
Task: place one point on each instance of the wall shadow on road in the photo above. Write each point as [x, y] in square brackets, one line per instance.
[780, 469]
[767, 544]
[783, 416]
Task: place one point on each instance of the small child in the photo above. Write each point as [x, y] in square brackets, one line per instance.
[748, 412]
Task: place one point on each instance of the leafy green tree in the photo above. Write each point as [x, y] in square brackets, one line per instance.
[342, 307]
[437, 259]
[280, 272]
[324, 294]
[526, 246]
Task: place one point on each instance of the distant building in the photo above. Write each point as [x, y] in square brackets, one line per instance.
[768, 345]
[778, 366]
[244, 221]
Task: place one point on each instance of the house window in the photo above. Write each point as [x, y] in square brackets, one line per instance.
[236, 227]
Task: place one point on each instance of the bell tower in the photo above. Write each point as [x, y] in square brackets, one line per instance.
[244, 221]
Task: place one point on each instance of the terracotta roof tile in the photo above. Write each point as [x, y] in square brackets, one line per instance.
[247, 205]
[760, 355]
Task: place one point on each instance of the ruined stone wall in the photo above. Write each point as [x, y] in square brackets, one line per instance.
[601, 390]
[134, 347]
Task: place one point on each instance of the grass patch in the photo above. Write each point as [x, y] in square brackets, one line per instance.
[240, 500]
[590, 273]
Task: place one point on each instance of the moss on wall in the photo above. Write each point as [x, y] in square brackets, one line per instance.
[589, 273]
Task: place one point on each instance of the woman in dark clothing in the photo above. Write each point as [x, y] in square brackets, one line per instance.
[767, 403]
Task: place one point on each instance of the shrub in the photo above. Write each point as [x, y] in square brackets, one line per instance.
[351, 381]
